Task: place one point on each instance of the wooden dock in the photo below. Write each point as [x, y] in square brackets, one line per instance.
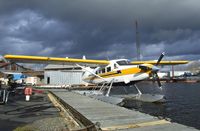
[98, 115]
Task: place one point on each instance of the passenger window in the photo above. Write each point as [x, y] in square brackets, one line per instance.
[100, 71]
[108, 69]
[103, 70]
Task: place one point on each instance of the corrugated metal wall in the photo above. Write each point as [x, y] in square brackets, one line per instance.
[63, 77]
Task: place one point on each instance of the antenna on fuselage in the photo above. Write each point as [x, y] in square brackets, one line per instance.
[137, 40]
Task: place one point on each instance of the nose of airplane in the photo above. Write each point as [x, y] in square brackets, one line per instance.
[155, 69]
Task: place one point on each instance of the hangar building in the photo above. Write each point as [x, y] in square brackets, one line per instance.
[63, 75]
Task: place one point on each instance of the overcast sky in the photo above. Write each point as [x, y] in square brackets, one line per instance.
[100, 29]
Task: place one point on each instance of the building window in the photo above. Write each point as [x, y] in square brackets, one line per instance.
[48, 80]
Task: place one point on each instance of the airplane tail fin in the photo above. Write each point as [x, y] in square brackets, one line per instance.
[84, 58]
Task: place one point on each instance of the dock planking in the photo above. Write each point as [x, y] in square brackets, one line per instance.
[113, 117]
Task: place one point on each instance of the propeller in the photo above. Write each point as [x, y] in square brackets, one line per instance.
[154, 69]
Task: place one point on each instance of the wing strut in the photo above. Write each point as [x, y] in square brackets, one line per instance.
[90, 72]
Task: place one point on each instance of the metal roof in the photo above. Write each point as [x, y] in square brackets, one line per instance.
[51, 66]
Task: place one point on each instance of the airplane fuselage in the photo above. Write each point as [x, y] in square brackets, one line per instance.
[118, 71]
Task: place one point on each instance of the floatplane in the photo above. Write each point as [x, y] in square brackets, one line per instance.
[109, 72]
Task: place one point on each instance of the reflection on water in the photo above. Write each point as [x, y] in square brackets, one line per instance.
[182, 105]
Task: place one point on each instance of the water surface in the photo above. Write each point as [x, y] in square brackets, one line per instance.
[182, 105]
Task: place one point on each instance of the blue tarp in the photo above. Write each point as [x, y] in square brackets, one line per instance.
[18, 76]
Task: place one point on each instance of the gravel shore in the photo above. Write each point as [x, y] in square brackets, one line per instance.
[47, 124]
[37, 114]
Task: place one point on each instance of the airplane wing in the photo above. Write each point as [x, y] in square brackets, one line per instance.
[57, 60]
[161, 62]
[53, 60]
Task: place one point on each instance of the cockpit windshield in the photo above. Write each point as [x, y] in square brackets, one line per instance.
[124, 62]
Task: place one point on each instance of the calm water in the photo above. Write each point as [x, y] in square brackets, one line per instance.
[182, 105]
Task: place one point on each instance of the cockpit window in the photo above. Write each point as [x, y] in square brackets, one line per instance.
[124, 62]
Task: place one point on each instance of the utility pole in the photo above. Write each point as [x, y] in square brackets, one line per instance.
[137, 40]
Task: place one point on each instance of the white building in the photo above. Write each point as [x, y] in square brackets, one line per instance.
[178, 73]
[63, 75]
[32, 80]
[162, 74]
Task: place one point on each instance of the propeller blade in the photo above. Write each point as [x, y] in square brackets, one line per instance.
[160, 58]
[158, 81]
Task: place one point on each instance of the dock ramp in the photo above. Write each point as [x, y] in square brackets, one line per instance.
[112, 117]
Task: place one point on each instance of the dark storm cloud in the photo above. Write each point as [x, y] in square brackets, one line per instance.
[100, 28]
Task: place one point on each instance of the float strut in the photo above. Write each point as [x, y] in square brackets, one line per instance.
[108, 92]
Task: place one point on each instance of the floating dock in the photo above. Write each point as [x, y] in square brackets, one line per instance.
[98, 115]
